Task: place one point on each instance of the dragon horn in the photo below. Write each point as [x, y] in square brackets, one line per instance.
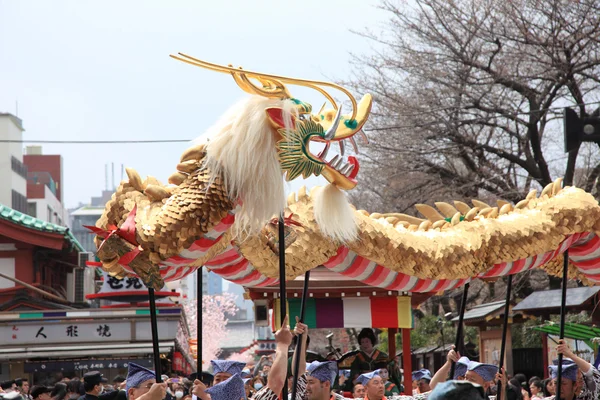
[273, 85]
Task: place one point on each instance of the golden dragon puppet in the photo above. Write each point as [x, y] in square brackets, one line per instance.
[218, 209]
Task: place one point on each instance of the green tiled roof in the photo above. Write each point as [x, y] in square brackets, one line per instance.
[17, 217]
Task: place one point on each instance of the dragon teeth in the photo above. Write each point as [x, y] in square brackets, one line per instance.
[338, 162]
[363, 136]
[350, 169]
[334, 160]
[324, 152]
[354, 145]
[342, 147]
[347, 169]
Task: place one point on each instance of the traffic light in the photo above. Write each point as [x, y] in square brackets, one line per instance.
[578, 129]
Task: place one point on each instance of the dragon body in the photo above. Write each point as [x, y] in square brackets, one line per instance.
[217, 209]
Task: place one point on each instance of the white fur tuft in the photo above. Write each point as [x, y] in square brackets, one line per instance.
[242, 149]
[334, 215]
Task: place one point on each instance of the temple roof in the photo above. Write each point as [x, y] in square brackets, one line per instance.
[16, 217]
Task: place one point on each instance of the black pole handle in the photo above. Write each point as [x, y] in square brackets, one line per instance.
[154, 329]
[282, 289]
[504, 332]
[299, 348]
[563, 313]
[199, 303]
[459, 328]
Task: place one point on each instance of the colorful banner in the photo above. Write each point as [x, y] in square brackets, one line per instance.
[356, 312]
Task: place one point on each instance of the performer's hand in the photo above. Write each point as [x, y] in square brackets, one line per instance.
[284, 336]
[501, 376]
[300, 328]
[564, 349]
[123, 385]
[199, 389]
[453, 355]
[158, 391]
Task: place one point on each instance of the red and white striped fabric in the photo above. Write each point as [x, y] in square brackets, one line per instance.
[524, 264]
[350, 264]
[200, 247]
[584, 251]
[585, 254]
[231, 265]
[177, 267]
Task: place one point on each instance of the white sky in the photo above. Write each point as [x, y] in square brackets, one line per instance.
[83, 70]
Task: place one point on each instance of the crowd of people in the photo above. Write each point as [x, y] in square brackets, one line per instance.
[371, 377]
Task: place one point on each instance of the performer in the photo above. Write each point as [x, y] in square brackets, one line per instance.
[461, 368]
[223, 370]
[320, 379]
[277, 374]
[462, 363]
[423, 378]
[141, 384]
[485, 375]
[588, 382]
[375, 389]
[230, 389]
[368, 357]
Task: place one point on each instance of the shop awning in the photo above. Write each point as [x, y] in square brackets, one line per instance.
[92, 350]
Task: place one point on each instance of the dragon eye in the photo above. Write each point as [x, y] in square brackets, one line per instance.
[302, 117]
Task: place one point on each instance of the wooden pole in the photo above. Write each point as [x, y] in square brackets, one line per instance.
[40, 291]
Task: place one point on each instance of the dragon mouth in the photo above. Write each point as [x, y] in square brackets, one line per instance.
[340, 170]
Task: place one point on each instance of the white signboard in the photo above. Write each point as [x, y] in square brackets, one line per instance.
[167, 330]
[66, 332]
[110, 284]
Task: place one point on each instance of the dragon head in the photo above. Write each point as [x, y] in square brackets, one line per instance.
[326, 127]
[271, 132]
[296, 128]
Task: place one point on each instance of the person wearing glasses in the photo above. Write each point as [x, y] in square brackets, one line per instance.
[141, 384]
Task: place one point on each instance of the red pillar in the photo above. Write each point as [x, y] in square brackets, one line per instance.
[545, 354]
[407, 361]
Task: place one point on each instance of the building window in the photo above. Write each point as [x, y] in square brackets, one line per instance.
[19, 202]
[32, 209]
[18, 167]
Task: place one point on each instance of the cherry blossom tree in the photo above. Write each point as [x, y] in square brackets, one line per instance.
[245, 357]
[215, 310]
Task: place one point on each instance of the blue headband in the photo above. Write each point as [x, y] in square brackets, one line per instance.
[365, 378]
[137, 374]
[323, 371]
[231, 389]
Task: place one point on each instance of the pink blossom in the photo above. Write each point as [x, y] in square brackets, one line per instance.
[215, 310]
